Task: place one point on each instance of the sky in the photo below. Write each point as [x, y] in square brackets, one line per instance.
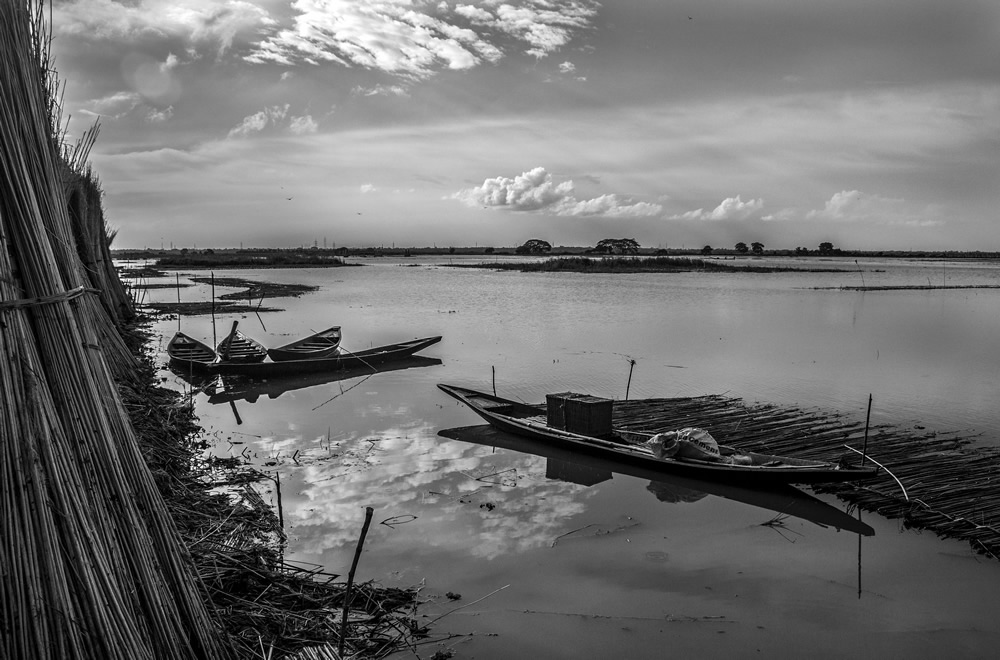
[266, 123]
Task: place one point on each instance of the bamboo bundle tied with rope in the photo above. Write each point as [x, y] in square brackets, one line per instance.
[91, 562]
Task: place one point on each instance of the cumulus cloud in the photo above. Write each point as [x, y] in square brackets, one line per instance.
[857, 206]
[259, 121]
[159, 116]
[303, 125]
[381, 90]
[731, 208]
[417, 39]
[567, 67]
[368, 187]
[535, 190]
[195, 23]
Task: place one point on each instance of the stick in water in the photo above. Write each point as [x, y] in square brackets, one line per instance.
[350, 578]
[864, 447]
[631, 366]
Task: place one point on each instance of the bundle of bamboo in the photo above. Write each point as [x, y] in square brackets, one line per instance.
[92, 564]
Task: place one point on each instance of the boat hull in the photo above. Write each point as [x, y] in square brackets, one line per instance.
[321, 345]
[343, 360]
[189, 354]
[528, 421]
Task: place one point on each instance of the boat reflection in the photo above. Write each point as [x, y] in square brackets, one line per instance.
[230, 389]
[589, 470]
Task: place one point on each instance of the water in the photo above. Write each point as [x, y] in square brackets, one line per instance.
[590, 571]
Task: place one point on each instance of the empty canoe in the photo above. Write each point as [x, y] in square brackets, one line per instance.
[320, 345]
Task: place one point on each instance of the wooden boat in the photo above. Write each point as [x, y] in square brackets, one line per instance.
[320, 345]
[531, 421]
[240, 349]
[226, 389]
[780, 498]
[187, 353]
[344, 359]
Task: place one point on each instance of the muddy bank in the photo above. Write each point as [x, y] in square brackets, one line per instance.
[250, 298]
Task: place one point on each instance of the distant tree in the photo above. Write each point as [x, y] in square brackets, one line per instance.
[801, 250]
[757, 248]
[488, 250]
[742, 248]
[707, 249]
[534, 246]
[826, 248]
[451, 250]
[617, 246]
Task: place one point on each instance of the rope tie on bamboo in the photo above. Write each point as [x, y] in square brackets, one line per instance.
[46, 300]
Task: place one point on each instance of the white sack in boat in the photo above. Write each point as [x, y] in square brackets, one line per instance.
[692, 443]
[685, 443]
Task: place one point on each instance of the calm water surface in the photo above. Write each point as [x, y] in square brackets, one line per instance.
[623, 566]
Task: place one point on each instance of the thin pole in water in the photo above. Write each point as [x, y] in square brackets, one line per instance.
[178, 276]
[494, 368]
[350, 579]
[864, 448]
[631, 366]
[860, 272]
[215, 340]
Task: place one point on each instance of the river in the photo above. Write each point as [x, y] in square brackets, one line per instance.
[551, 568]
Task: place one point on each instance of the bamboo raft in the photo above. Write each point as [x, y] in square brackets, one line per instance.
[948, 486]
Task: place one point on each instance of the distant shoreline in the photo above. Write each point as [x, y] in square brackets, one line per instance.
[336, 257]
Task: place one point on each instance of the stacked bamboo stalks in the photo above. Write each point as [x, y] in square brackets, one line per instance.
[950, 486]
[92, 564]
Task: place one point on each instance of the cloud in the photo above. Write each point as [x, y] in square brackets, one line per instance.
[303, 125]
[567, 67]
[535, 190]
[368, 187]
[259, 121]
[857, 206]
[196, 23]
[731, 208]
[381, 90]
[418, 39]
[159, 116]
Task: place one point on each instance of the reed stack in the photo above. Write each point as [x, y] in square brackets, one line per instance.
[91, 563]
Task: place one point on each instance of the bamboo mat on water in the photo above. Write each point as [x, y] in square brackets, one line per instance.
[948, 486]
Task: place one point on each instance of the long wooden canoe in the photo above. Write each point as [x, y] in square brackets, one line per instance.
[567, 465]
[187, 353]
[237, 348]
[322, 344]
[342, 360]
[530, 421]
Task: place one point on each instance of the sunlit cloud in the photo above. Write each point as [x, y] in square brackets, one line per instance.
[303, 125]
[535, 190]
[731, 208]
[418, 39]
[368, 187]
[196, 23]
[259, 121]
[381, 90]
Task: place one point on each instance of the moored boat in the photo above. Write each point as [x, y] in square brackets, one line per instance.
[752, 467]
[188, 353]
[344, 359]
[238, 348]
[322, 344]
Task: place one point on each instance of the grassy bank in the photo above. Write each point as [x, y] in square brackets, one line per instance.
[265, 606]
[631, 265]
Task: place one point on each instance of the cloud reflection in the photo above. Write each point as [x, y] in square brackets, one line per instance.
[462, 496]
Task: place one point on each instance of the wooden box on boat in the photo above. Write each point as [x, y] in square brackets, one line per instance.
[579, 413]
